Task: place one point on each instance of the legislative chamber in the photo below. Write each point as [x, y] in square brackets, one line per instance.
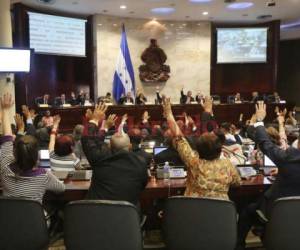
[135, 124]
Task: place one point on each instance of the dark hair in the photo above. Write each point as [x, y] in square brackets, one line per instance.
[225, 126]
[26, 152]
[208, 146]
[63, 145]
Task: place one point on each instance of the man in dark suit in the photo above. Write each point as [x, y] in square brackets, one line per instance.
[186, 99]
[44, 100]
[126, 99]
[118, 173]
[287, 182]
[61, 101]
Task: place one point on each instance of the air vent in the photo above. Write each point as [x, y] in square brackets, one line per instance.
[48, 2]
[263, 17]
[229, 1]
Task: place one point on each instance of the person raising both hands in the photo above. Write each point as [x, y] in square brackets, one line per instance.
[20, 174]
[207, 174]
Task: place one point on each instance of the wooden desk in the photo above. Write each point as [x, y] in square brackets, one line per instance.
[160, 189]
[223, 112]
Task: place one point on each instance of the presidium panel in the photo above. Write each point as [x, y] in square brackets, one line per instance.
[222, 112]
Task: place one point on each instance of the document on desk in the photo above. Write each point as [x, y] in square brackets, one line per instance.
[267, 181]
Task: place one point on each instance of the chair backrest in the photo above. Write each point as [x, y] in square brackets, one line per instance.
[196, 223]
[230, 99]
[283, 228]
[216, 99]
[22, 225]
[104, 225]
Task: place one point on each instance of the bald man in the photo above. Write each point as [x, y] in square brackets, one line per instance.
[118, 173]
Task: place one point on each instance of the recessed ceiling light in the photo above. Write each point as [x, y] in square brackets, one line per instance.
[99, 24]
[131, 12]
[123, 7]
[115, 25]
[240, 5]
[200, 1]
[204, 13]
[163, 10]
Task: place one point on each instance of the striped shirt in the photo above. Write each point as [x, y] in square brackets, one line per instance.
[64, 163]
[30, 184]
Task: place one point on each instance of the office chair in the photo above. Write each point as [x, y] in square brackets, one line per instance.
[282, 232]
[101, 224]
[230, 99]
[38, 100]
[216, 99]
[196, 223]
[22, 225]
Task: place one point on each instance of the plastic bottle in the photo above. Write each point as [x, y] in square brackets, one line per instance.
[166, 171]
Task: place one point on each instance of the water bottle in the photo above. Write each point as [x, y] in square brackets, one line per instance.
[166, 171]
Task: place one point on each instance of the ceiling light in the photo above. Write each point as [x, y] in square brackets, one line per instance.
[163, 10]
[123, 7]
[205, 13]
[240, 5]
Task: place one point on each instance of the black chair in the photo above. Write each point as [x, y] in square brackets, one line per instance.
[216, 99]
[230, 99]
[105, 225]
[283, 228]
[196, 223]
[22, 225]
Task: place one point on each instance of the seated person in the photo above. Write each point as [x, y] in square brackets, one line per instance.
[126, 99]
[81, 98]
[61, 153]
[204, 166]
[44, 100]
[73, 100]
[20, 174]
[275, 98]
[61, 101]
[47, 119]
[255, 97]
[229, 137]
[105, 99]
[199, 98]
[118, 173]
[287, 183]
[140, 99]
[186, 99]
[237, 98]
[170, 154]
[159, 98]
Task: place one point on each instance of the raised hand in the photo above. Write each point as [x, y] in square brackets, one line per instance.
[260, 111]
[145, 116]
[168, 114]
[241, 117]
[190, 120]
[281, 117]
[99, 112]
[124, 118]
[208, 104]
[26, 112]
[20, 123]
[6, 101]
[56, 121]
[110, 121]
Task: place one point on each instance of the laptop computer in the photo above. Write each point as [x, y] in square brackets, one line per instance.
[44, 158]
[157, 150]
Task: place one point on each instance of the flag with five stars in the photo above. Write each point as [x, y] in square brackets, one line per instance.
[124, 75]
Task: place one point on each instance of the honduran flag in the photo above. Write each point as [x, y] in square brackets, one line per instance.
[124, 75]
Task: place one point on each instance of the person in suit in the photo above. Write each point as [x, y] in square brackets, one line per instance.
[237, 98]
[199, 98]
[61, 101]
[287, 182]
[118, 173]
[159, 98]
[186, 99]
[81, 98]
[255, 97]
[73, 100]
[44, 100]
[126, 99]
[275, 98]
